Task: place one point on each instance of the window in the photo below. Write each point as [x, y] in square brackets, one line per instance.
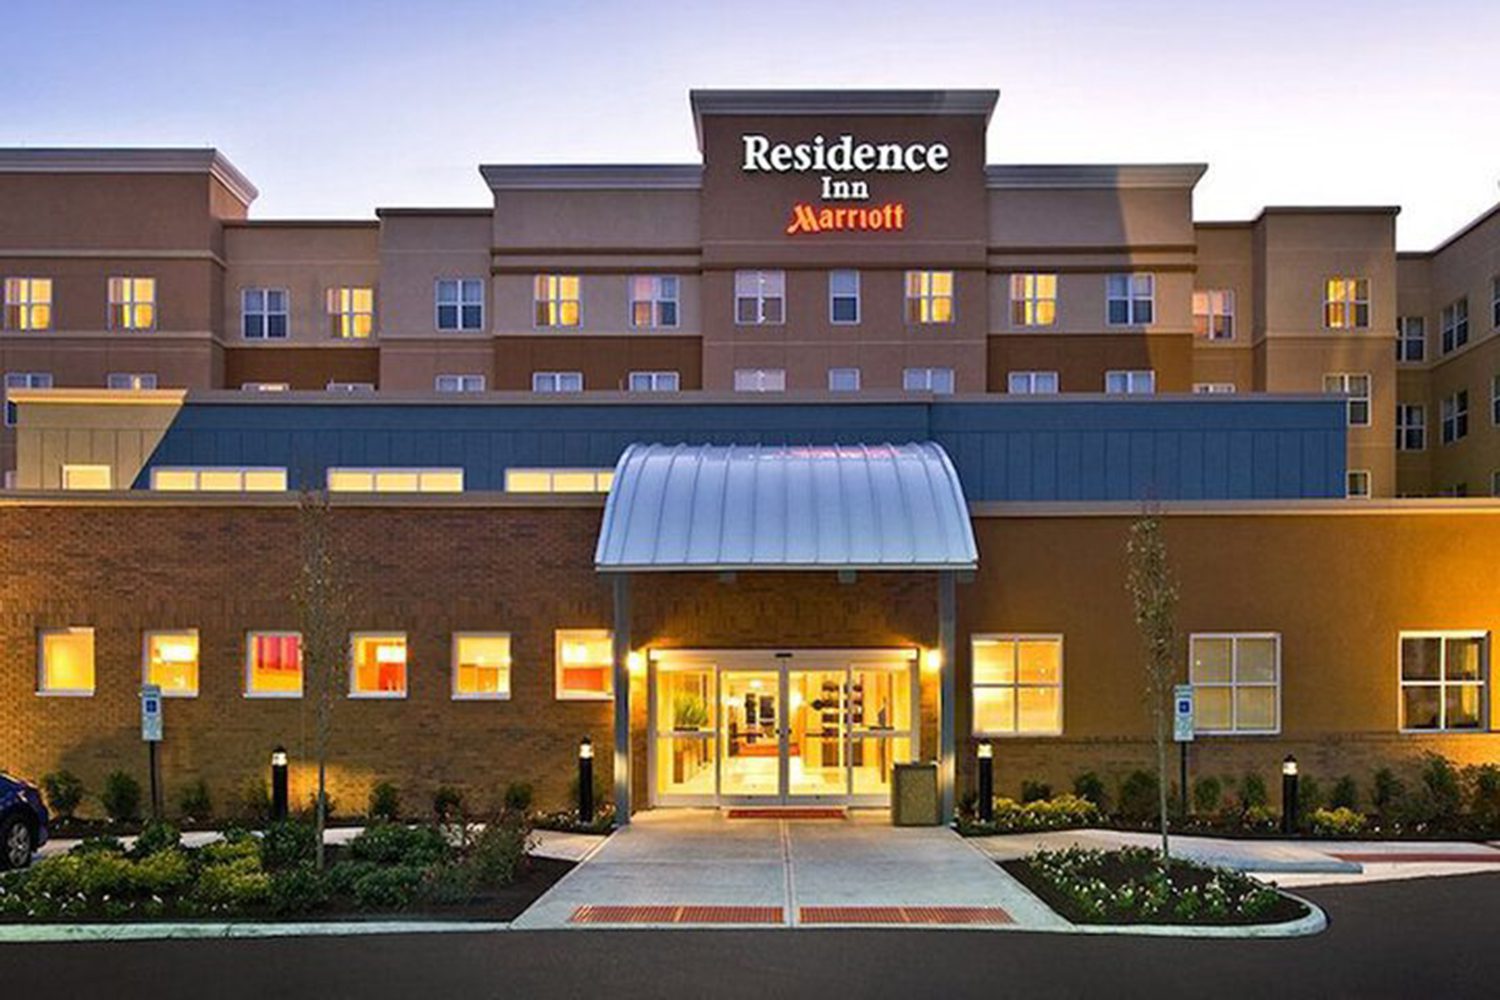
[65, 661]
[86, 477]
[1357, 484]
[1455, 325]
[273, 665]
[843, 297]
[349, 387]
[28, 303]
[1346, 303]
[653, 301]
[22, 380]
[1236, 678]
[759, 297]
[1130, 299]
[1455, 413]
[459, 383]
[1214, 388]
[351, 312]
[934, 380]
[759, 379]
[654, 381]
[481, 666]
[396, 480]
[1495, 484]
[264, 386]
[585, 664]
[1213, 314]
[1357, 389]
[132, 303]
[1443, 678]
[557, 299]
[1130, 383]
[843, 380]
[377, 665]
[1033, 299]
[219, 479]
[460, 303]
[1411, 338]
[170, 661]
[1495, 400]
[130, 380]
[1411, 427]
[557, 381]
[929, 296]
[264, 314]
[559, 480]
[1017, 685]
[1495, 303]
[1031, 383]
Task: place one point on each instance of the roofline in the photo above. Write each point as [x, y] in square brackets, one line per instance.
[1391, 210]
[291, 499]
[593, 177]
[399, 213]
[1484, 217]
[1329, 506]
[301, 223]
[130, 160]
[829, 567]
[839, 102]
[1094, 175]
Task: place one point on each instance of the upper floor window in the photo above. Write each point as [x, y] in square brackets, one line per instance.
[929, 296]
[843, 296]
[654, 381]
[264, 314]
[22, 380]
[1456, 417]
[1411, 338]
[1017, 684]
[458, 383]
[1130, 383]
[1357, 389]
[1411, 427]
[1495, 400]
[1357, 484]
[1346, 303]
[1213, 314]
[171, 662]
[1033, 299]
[1236, 680]
[759, 297]
[1031, 383]
[1130, 299]
[351, 387]
[1455, 325]
[1443, 679]
[273, 665]
[843, 380]
[759, 379]
[558, 300]
[377, 665]
[460, 304]
[132, 303]
[130, 380]
[265, 386]
[395, 480]
[351, 312]
[28, 303]
[653, 301]
[559, 480]
[1495, 303]
[87, 477]
[1213, 388]
[65, 661]
[557, 381]
[934, 380]
[219, 479]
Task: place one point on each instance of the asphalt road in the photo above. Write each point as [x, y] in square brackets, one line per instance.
[1420, 938]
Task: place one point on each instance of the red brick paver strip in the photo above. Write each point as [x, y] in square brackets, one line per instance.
[677, 914]
[950, 915]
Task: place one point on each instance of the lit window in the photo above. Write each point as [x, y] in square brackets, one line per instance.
[1346, 303]
[556, 382]
[1213, 314]
[1033, 299]
[843, 297]
[1214, 388]
[1455, 413]
[1017, 685]
[460, 304]
[350, 387]
[559, 480]
[219, 479]
[1357, 484]
[28, 303]
[86, 477]
[1357, 389]
[1130, 299]
[1130, 383]
[843, 380]
[377, 665]
[481, 665]
[1236, 680]
[585, 664]
[759, 379]
[130, 380]
[1031, 383]
[1443, 676]
[1411, 427]
[171, 662]
[759, 297]
[459, 383]
[395, 480]
[557, 300]
[351, 312]
[653, 301]
[938, 381]
[1411, 339]
[22, 380]
[66, 661]
[654, 381]
[929, 296]
[273, 665]
[132, 303]
[1455, 325]
[264, 386]
[264, 313]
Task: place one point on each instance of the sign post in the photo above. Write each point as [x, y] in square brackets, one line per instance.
[1182, 732]
[151, 728]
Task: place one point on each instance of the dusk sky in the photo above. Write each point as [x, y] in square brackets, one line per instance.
[332, 113]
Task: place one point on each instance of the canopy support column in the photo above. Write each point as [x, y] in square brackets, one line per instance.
[948, 698]
[621, 654]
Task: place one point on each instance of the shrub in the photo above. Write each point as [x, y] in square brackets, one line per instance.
[1089, 786]
[341, 877]
[163, 873]
[447, 804]
[392, 844]
[121, 797]
[239, 883]
[385, 802]
[1345, 794]
[498, 852]
[518, 797]
[1388, 794]
[107, 845]
[287, 844]
[255, 801]
[1259, 818]
[1485, 783]
[1207, 795]
[1253, 792]
[312, 806]
[193, 801]
[64, 793]
[388, 886]
[299, 889]
[1138, 796]
[1035, 791]
[232, 848]
[157, 835]
[1441, 785]
[1339, 822]
[1309, 795]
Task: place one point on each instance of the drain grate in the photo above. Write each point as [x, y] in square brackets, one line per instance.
[677, 914]
[944, 915]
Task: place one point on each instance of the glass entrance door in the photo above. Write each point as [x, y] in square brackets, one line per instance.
[752, 735]
[817, 739]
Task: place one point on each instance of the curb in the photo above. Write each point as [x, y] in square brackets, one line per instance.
[43, 933]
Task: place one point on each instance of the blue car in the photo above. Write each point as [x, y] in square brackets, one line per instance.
[23, 822]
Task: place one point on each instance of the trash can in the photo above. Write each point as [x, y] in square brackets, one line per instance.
[914, 795]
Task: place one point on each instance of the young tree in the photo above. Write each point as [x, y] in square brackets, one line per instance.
[321, 595]
[1153, 592]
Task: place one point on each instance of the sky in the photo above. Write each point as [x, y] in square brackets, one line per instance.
[333, 109]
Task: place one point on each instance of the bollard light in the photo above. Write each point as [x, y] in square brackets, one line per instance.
[1289, 795]
[278, 783]
[986, 781]
[586, 781]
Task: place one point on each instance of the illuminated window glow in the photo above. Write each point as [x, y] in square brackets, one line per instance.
[653, 301]
[65, 661]
[219, 479]
[28, 303]
[1346, 303]
[559, 480]
[130, 380]
[86, 477]
[929, 296]
[1444, 680]
[1033, 299]
[558, 301]
[396, 480]
[377, 665]
[1213, 314]
[1236, 680]
[585, 664]
[1017, 682]
[481, 666]
[132, 303]
[273, 665]
[171, 662]
[351, 312]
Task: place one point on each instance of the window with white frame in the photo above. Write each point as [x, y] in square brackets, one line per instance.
[396, 479]
[132, 303]
[264, 313]
[843, 380]
[1031, 383]
[351, 312]
[520, 480]
[1411, 338]
[458, 383]
[22, 380]
[558, 300]
[938, 381]
[1454, 325]
[1139, 382]
[1455, 417]
[1213, 313]
[653, 301]
[28, 304]
[843, 297]
[1236, 679]
[557, 382]
[377, 665]
[668, 381]
[584, 664]
[1495, 400]
[1495, 483]
[1495, 303]
[1130, 299]
[759, 379]
[481, 666]
[169, 659]
[1017, 681]
[87, 477]
[273, 665]
[130, 380]
[1444, 675]
[1214, 388]
[1357, 484]
[264, 386]
[1346, 303]
[352, 387]
[1356, 388]
[459, 304]
[219, 479]
[759, 297]
[929, 297]
[1033, 299]
[65, 661]
[1411, 427]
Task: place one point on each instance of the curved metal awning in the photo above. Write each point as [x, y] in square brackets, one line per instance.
[843, 507]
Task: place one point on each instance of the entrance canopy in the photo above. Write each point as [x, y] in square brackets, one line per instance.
[844, 507]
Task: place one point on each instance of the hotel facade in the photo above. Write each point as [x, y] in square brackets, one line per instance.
[764, 472]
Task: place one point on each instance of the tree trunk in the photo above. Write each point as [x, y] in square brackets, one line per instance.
[1161, 780]
[321, 818]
